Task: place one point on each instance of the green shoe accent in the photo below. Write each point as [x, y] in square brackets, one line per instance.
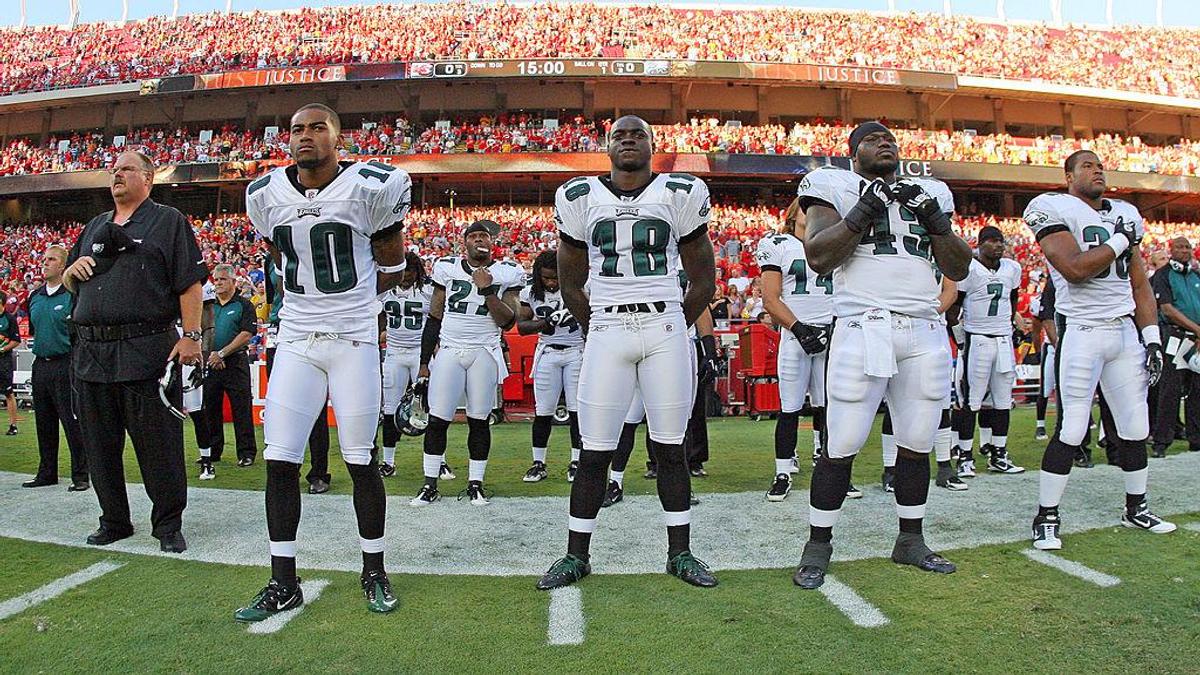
[271, 600]
[378, 591]
[564, 572]
[690, 569]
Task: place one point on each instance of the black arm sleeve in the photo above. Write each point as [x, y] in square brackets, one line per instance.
[429, 338]
[1014, 297]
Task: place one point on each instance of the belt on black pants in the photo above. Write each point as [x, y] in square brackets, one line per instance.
[122, 331]
[638, 308]
[51, 359]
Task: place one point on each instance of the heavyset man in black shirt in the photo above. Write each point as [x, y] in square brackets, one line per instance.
[135, 271]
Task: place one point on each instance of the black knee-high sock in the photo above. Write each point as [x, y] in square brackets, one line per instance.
[964, 426]
[620, 457]
[651, 459]
[1000, 422]
[830, 480]
[674, 492]
[435, 443]
[391, 435]
[987, 419]
[573, 425]
[283, 515]
[541, 430]
[1042, 402]
[912, 485]
[1132, 456]
[587, 494]
[818, 415]
[479, 439]
[886, 428]
[370, 506]
[785, 434]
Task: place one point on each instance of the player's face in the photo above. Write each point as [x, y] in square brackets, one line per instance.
[479, 246]
[549, 279]
[408, 278]
[992, 248]
[314, 139]
[1181, 250]
[53, 264]
[1087, 178]
[130, 178]
[878, 153]
[629, 144]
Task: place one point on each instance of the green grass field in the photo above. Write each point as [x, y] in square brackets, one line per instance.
[1001, 613]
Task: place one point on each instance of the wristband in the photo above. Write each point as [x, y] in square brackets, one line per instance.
[1119, 246]
[1151, 336]
[489, 290]
[394, 269]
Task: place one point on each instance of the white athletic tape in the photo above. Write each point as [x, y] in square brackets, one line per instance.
[312, 591]
[862, 613]
[1071, 567]
[55, 588]
[586, 525]
[566, 622]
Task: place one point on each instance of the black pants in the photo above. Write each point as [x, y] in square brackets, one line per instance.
[106, 412]
[1176, 382]
[51, 382]
[696, 439]
[232, 380]
[318, 438]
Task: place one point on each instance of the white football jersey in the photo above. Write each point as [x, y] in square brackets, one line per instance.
[406, 309]
[809, 295]
[632, 240]
[568, 333]
[1107, 295]
[324, 238]
[892, 266]
[987, 307]
[465, 318]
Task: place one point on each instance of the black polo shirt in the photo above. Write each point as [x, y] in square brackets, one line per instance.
[141, 287]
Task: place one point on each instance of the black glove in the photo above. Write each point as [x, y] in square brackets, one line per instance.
[708, 366]
[872, 204]
[1154, 362]
[421, 387]
[1129, 230]
[813, 339]
[929, 214]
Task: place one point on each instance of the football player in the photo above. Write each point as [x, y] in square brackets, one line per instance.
[802, 301]
[556, 360]
[335, 230]
[627, 234]
[880, 237]
[1107, 335]
[474, 302]
[404, 307]
[1042, 308]
[987, 301]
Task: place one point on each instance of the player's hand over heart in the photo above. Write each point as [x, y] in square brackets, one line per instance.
[481, 277]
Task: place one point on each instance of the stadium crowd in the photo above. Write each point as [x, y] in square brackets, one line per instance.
[520, 132]
[435, 232]
[1157, 60]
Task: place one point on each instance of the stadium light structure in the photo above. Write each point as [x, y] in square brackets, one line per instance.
[1056, 12]
[124, 11]
[22, 14]
[1000, 11]
[72, 13]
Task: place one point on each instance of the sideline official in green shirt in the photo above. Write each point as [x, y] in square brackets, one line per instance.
[1177, 289]
[234, 323]
[49, 309]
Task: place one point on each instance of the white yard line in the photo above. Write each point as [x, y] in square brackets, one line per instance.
[1071, 567]
[566, 622]
[312, 591]
[1194, 527]
[862, 613]
[56, 588]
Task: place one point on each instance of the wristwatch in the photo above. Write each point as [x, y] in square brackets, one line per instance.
[193, 335]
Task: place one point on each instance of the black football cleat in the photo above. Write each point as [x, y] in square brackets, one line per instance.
[691, 569]
[910, 549]
[271, 600]
[810, 574]
[564, 572]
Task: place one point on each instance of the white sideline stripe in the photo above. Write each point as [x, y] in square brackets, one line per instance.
[312, 591]
[862, 613]
[56, 588]
[566, 622]
[1071, 567]
[1195, 527]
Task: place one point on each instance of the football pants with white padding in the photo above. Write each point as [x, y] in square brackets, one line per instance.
[453, 372]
